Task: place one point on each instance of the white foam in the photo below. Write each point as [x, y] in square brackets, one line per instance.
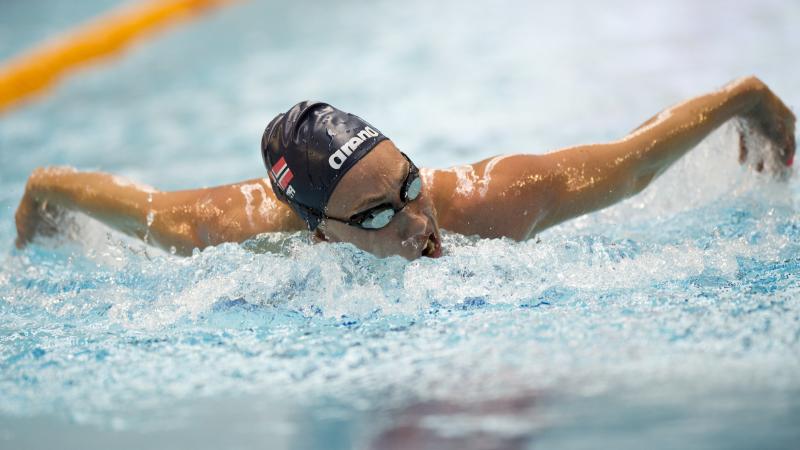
[466, 179]
[487, 173]
[125, 182]
[247, 191]
[427, 176]
[265, 204]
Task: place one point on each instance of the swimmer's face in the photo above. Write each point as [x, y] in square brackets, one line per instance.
[377, 179]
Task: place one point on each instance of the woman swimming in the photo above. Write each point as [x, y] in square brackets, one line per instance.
[339, 177]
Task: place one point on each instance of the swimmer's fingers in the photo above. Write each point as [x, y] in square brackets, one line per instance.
[772, 120]
[34, 218]
[777, 122]
[781, 129]
[50, 216]
[39, 220]
[25, 220]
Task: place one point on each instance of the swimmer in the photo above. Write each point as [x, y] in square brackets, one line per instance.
[340, 178]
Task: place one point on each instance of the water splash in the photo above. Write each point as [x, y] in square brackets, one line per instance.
[659, 287]
[686, 295]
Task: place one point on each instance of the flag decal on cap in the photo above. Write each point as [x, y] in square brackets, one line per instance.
[281, 173]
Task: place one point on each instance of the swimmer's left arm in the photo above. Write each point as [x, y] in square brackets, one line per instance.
[596, 176]
[529, 193]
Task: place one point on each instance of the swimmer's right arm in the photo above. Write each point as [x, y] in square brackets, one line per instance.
[183, 220]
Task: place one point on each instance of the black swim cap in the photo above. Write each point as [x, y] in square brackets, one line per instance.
[308, 149]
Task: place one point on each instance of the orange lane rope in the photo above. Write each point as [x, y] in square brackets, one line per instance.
[34, 71]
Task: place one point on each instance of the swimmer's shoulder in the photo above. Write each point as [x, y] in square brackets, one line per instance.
[495, 197]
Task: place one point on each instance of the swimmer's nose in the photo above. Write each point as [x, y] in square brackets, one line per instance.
[417, 223]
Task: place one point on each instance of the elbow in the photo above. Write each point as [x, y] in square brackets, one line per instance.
[171, 226]
[641, 177]
[638, 184]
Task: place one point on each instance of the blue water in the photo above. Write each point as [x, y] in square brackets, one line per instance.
[672, 319]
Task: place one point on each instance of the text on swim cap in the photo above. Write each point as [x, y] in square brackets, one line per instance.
[339, 156]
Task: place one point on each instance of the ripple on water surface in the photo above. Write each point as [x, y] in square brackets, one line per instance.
[675, 314]
[706, 291]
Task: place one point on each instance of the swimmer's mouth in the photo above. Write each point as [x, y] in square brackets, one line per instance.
[433, 248]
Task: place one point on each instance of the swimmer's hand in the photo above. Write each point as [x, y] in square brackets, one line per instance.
[766, 132]
[35, 215]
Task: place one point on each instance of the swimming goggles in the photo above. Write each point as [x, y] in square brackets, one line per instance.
[381, 215]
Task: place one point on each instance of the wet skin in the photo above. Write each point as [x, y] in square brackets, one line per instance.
[514, 196]
[412, 232]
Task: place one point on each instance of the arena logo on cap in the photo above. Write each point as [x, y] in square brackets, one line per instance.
[281, 173]
[339, 156]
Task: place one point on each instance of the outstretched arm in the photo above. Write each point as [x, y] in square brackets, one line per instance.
[520, 195]
[181, 219]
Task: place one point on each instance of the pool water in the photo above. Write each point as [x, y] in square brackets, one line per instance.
[672, 319]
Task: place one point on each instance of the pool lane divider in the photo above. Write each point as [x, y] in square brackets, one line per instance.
[34, 71]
